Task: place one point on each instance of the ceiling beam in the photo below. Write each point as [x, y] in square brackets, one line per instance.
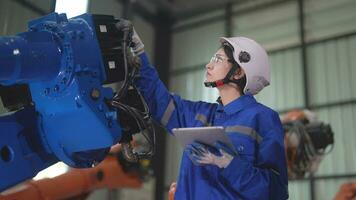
[32, 7]
[138, 8]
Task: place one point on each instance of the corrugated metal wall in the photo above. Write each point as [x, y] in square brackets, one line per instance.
[286, 88]
[325, 18]
[330, 74]
[188, 51]
[332, 70]
[105, 7]
[273, 26]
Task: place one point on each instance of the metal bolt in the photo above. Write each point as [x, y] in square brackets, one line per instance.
[100, 175]
[46, 91]
[56, 88]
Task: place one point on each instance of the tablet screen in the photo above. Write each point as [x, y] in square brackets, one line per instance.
[207, 135]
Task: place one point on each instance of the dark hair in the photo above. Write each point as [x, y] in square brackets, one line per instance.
[229, 51]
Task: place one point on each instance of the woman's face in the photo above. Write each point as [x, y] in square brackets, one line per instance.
[218, 66]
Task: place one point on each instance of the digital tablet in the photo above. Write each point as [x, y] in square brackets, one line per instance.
[207, 135]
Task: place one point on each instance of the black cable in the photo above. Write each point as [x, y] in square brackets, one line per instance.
[143, 121]
[141, 118]
[123, 88]
[313, 139]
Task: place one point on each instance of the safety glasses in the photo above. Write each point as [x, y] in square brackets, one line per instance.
[217, 58]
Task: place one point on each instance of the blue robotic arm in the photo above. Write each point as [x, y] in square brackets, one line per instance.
[64, 63]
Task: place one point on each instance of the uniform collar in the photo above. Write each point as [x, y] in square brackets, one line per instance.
[237, 104]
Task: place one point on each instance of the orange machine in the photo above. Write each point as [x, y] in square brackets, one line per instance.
[78, 183]
[347, 191]
[306, 140]
[172, 191]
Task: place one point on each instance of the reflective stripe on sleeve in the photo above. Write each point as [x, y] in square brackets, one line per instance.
[168, 113]
[246, 131]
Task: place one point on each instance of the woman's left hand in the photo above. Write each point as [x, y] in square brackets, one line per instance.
[201, 154]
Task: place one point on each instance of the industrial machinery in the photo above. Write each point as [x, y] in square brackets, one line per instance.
[347, 191]
[307, 140]
[54, 81]
[114, 172]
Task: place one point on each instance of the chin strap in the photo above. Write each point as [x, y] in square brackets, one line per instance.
[228, 79]
[217, 83]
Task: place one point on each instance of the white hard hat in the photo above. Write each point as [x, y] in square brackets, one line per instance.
[253, 59]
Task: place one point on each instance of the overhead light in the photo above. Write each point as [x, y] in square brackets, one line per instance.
[71, 7]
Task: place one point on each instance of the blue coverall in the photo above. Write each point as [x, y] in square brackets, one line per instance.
[258, 172]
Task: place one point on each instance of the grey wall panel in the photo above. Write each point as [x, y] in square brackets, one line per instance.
[351, 63]
[317, 80]
[342, 158]
[146, 192]
[250, 5]
[42, 4]
[200, 92]
[273, 27]
[99, 194]
[332, 70]
[173, 159]
[327, 17]
[286, 88]
[191, 86]
[14, 17]
[199, 18]
[344, 68]
[178, 85]
[209, 94]
[195, 46]
[105, 7]
[299, 190]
